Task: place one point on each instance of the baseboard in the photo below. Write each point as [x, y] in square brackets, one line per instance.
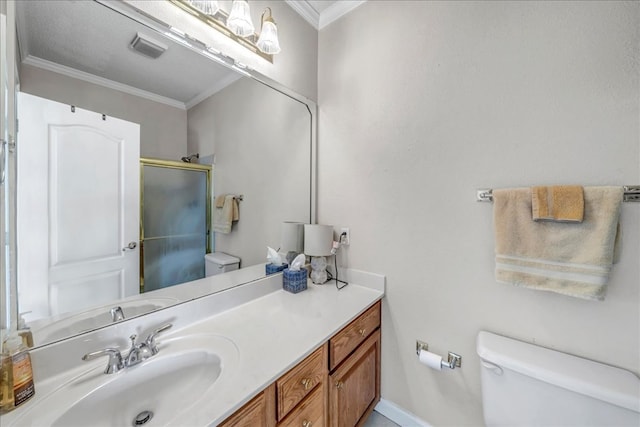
[399, 415]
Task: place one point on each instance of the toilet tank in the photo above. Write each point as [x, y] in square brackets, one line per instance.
[219, 262]
[527, 385]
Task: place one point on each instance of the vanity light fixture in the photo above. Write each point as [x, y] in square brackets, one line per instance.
[239, 21]
[268, 41]
[237, 25]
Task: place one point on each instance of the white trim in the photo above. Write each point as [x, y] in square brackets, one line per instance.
[100, 81]
[399, 415]
[330, 14]
[337, 10]
[305, 10]
[220, 84]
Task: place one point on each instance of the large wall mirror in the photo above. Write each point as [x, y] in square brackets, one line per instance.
[77, 59]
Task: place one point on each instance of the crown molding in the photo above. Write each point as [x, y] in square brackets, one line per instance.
[101, 81]
[330, 14]
[220, 84]
[337, 10]
[305, 10]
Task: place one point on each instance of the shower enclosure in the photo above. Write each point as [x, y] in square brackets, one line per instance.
[175, 222]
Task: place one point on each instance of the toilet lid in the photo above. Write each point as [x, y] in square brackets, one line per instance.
[221, 258]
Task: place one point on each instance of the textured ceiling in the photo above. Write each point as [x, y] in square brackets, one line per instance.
[92, 38]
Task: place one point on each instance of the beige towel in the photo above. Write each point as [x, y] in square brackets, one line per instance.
[220, 201]
[224, 216]
[563, 203]
[568, 258]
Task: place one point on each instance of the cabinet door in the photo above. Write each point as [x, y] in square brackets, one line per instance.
[259, 412]
[355, 385]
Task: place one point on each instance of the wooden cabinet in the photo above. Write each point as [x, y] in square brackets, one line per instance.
[300, 381]
[354, 359]
[354, 387]
[351, 336]
[338, 385]
[259, 412]
[310, 413]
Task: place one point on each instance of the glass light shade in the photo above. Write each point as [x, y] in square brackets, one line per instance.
[210, 7]
[268, 41]
[239, 21]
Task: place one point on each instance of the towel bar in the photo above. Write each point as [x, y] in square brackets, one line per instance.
[631, 194]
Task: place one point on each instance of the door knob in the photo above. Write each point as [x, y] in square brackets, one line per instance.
[130, 246]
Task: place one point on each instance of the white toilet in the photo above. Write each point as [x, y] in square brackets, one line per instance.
[527, 385]
[219, 262]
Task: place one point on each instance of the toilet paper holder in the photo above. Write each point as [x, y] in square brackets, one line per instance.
[453, 360]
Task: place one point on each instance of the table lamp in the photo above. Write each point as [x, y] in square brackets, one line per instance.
[318, 242]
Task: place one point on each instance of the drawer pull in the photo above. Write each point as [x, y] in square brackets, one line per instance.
[306, 383]
[362, 332]
[307, 423]
[339, 385]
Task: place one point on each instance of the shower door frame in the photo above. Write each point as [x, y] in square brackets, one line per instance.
[169, 164]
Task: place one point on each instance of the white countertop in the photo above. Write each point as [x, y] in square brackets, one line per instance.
[272, 333]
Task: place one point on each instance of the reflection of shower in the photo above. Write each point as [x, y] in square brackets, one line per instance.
[189, 159]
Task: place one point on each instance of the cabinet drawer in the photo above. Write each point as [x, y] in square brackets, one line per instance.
[300, 381]
[310, 413]
[352, 335]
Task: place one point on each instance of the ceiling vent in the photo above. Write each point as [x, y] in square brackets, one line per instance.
[148, 46]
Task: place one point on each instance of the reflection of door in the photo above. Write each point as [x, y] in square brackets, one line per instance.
[78, 195]
[175, 222]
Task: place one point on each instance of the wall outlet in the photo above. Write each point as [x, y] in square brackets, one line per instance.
[345, 239]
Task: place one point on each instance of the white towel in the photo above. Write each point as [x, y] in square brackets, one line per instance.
[568, 258]
[223, 217]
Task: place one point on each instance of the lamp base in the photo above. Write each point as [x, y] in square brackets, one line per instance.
[319, 270]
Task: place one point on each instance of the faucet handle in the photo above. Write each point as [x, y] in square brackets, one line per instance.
[115, 359]
[133, 341]
[151, 339]
[116, 314]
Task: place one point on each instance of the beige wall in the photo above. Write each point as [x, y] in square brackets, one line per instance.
[421, 103]
[261, 143]
[163, 129]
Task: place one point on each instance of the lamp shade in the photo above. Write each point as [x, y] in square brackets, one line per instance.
[292, 237]
[318, 239]
[239, 21]
[268, 40]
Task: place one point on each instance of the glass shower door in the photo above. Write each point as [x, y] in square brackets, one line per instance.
[175, 222]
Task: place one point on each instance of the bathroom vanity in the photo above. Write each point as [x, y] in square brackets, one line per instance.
[250, 355]
[337, 385]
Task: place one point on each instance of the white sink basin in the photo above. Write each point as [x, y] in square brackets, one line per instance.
[163, 388]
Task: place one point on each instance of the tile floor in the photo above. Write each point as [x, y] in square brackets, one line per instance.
[377, 420]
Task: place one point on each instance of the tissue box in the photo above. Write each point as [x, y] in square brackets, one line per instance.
[270, 268]
[294, 281]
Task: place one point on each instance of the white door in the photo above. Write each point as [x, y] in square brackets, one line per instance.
[78, 207]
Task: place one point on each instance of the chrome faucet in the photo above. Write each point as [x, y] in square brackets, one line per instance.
[116, 314]
[137, 352]
[115, 363]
